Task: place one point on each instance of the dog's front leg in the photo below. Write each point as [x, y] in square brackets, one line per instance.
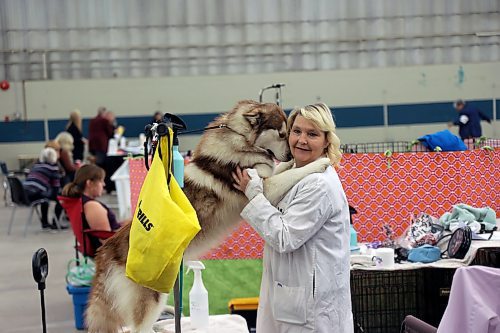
[277, 186]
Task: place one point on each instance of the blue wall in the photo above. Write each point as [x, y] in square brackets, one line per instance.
[357, 116]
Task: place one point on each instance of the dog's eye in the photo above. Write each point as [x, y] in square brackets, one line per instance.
[282, 135]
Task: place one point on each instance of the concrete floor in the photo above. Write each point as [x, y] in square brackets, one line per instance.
[20, 309]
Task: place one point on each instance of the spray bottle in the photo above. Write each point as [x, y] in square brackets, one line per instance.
[198, 297]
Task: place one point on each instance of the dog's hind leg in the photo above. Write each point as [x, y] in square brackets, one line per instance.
[147, 312]
[276, 186]
[99, 317]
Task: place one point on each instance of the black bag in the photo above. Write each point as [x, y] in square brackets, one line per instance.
[459, 243]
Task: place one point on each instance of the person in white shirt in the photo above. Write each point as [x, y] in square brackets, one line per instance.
[306, 277]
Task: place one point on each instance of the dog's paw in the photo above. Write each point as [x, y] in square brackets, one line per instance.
[320, 165]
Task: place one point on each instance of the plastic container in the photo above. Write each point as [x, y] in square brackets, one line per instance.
[80, 298]
[112, 146]
[247, 308]
[178, 166]
[353, 238]
[198, 297]
[121, 177]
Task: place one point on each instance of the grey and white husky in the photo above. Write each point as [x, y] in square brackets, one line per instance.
[252, 135]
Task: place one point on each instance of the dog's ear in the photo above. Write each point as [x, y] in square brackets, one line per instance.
[253, 116]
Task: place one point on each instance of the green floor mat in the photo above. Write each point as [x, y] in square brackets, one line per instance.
[224, 280]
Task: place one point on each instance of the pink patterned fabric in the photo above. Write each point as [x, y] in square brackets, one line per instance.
[414, 182]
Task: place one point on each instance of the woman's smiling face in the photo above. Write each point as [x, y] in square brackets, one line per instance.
[307, 141]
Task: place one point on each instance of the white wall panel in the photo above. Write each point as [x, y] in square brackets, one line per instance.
[153, 38]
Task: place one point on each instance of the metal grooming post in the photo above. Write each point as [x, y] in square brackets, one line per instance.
[157, 131]
[277, 87]
[176, 124]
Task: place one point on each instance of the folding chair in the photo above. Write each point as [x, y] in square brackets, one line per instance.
[83, 244]
[414, 325]
[20, 199]
[5, 184]
[472, 307]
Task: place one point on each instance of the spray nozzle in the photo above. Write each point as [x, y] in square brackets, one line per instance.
[194, 265]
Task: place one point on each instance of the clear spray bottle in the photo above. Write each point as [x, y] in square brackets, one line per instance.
[198, 297]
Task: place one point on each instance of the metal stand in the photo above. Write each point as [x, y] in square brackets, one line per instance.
[153, 132]
[40, 267]
[277, 87]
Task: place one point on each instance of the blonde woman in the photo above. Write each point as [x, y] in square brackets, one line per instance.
[65, 141]
[305, 282]
[74, 127]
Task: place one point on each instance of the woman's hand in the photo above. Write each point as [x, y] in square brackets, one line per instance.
[241, 179]
[248, 181]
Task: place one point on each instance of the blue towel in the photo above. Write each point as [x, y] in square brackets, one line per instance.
[425, 253]
[444, 139]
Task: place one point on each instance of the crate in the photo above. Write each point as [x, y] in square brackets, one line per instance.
[436, 292]
[382, 299]
[247, 308]
[80, 298]
[487, 256]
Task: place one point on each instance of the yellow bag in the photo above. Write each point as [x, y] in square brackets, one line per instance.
[163, 225]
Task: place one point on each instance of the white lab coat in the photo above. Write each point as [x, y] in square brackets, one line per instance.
[306, 277]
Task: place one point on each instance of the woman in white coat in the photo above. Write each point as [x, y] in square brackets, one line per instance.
[305, 282]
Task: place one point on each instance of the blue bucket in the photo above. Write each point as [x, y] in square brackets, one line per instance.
[80, 297]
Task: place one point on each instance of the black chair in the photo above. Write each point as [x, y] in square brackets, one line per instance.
[5, 184]
[20, 199]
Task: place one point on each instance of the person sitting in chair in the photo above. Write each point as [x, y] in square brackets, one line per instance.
[89, 184]
[43, 182]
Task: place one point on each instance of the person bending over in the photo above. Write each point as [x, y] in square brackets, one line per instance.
[468, 120]
[306, 277]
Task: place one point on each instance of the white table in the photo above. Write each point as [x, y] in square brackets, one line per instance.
[217, 324]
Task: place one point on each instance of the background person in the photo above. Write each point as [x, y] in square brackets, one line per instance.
[74, 127]
[88, 185]
[157, 117]
[306, 277]
[42, 182]
[100, 131]
[65, 141]
[468, 120]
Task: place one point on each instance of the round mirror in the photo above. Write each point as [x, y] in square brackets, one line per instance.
[40, 265]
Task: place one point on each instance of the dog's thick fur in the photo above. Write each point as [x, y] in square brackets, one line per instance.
[253, 136]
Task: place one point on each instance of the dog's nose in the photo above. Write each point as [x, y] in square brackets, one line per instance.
[289, 156]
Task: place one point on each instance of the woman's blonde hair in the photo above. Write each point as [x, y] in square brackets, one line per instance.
[321, 116]
[53, 144]
[75, 118]
[77, 186]
[65, 140]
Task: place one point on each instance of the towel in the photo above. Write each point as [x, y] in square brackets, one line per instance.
[444, 139]
[462, 212]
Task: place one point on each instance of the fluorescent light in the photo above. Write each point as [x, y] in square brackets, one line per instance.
[487, 33]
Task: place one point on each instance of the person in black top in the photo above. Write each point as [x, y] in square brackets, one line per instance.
[74, 127]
